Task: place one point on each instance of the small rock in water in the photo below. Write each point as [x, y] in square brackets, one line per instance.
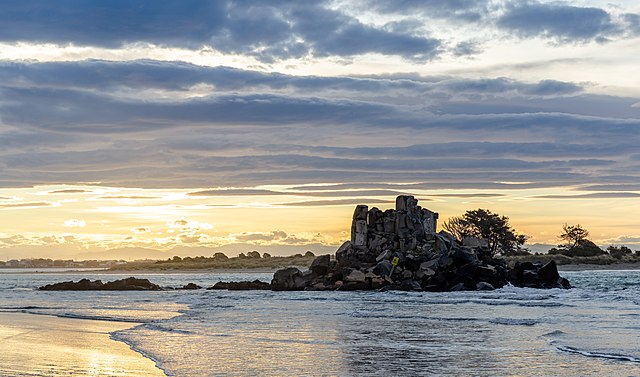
[241, 285]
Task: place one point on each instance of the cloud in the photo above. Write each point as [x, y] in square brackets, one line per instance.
[141, 230]
[610, 187]
[559, 21]
[598, 195]
[189, 226]
[129, 197]
[335, 202]
[276, 235]
[474, 195]
[70, 191]
[255, 127]
[267, 30]
[25, 205]
[73, 223]
[461, 10]
[235, 192]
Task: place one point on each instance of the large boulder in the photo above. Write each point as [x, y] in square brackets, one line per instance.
[288, 279]
[321, 264]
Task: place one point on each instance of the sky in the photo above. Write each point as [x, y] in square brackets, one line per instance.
[190, 127]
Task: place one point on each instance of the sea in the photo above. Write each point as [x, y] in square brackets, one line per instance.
[590, 330]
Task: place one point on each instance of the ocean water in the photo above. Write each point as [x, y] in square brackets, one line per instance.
[591, 330]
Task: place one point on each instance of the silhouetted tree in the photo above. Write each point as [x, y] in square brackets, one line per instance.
[457, 227]
[220, 256]
[574, 235]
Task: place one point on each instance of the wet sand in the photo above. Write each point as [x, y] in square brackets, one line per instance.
[40, 345]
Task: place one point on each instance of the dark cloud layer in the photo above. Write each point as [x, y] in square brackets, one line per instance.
[71, 123]
[559, 21]
[268, 30]
[280, 29]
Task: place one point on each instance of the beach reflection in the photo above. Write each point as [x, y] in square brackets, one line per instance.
[37, 345]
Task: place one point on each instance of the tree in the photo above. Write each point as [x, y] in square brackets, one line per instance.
[253, 254]
[220, 256]
[619, 252]
[457, 227]
[574, 235]
[578, 245]
[495, 229]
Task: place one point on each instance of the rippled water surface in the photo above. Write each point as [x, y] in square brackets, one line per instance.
[592, 330]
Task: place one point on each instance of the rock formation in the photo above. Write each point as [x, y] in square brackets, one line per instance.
[400, 249]
[129, 284]
[241, 285]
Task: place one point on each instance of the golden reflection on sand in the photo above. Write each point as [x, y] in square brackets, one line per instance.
[38, 345]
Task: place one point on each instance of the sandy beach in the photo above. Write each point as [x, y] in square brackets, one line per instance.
[40, 345]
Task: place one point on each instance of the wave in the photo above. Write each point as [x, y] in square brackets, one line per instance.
[611, 356]
[514, 321]
[118, 337]
[156, 327]
[32, 310]
[554, 333]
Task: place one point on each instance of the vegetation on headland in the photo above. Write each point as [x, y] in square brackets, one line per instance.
[477, 226]
[251, 260]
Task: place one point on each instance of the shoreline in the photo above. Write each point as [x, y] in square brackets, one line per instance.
[68, 346]
[600, 267]
[144, 271]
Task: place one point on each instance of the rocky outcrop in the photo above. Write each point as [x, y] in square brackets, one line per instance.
[128, 284]
[241, 285]
[537, 275]
[191, 286]
[400, 249]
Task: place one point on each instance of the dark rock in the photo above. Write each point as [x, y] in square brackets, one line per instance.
[484, 286]
[82, 285]
[549, 272]
[400, 249]
[411, 285]
[129, 284]
[356, 276]
[191, 286]
[320, 265]
[288, 279]
[241, 285]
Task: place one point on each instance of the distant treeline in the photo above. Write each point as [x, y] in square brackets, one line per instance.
[250, 260]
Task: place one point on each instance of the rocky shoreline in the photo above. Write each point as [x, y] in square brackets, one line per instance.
[398, 249]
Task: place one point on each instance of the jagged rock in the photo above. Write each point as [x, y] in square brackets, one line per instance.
[191, 286]
[484, 286]
[536, 275]
[82, 285]
[241, 285]
[355, 276]
[321, 264]
[128, 284]
[288, 279]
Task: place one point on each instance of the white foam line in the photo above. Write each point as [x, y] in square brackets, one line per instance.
[598, 354]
